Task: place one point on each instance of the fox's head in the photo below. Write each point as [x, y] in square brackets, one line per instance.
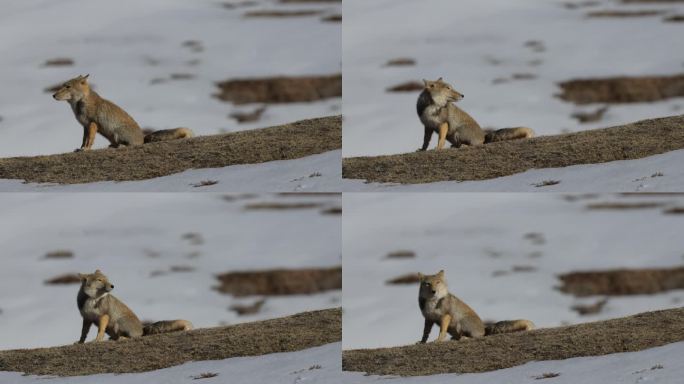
[433, 285]
[74, 89]
[95, 284]
[441, 92]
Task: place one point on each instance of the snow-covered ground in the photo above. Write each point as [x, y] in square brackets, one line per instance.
[136, 239]
[479, 240]
[315, 365]
[126, 44]
[470, 43]
[659, 173]
[662, 365]
[317, 173]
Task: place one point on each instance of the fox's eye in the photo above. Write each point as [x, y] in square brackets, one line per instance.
[67, 86]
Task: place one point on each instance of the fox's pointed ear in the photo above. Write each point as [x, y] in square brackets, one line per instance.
[440, 273]
[86, 77]
[420, 276]
[82, 276]
[97, 271]
[425, 82]
[440, 79]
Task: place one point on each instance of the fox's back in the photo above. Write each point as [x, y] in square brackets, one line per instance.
[468, 129]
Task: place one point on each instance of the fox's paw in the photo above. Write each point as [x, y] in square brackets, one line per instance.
[420, 150]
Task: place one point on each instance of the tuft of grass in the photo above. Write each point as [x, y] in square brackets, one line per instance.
[205, 375]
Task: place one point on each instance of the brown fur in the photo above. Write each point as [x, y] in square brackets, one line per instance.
[453, 316]
[98, 115]
[110, 315]
[438, 114]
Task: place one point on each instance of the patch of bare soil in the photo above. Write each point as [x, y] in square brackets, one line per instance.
[409, 278]
[674, 211]
[284, 142]
[620, 282]
[624, 206]
[332, 211]
[622, 89]
[401, 254]
[590, 117]
[281, 89]
[275, 206]
[336, 18]
[623, 14]
[248, 309]
[590, 309]
[69, 278]
[303, 281]
[287, 334]
[401, 62]
[627, 334]
[279, 14]
[59, 254]
[409, 86]
[674, 19]
[59, 62]
[249, 117]
[631, 141]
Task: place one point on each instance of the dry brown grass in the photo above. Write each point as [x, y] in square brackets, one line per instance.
[302, 281]
[627, 334]
[287, 334]
[280, 89]
[289, 141]
[623, 14]
[621, 282]
[623, 89]
[631, 141]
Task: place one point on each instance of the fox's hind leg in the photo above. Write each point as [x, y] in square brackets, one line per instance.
[88, 137]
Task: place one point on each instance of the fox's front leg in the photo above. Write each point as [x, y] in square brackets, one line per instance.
[426, 139]
[443, 129]
[88, 137]
[443, 327]
[101, 327]
[84, 330]
[426, 331]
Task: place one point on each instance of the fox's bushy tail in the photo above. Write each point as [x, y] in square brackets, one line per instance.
[166, 326]
[169, 134]
[492, 135]
[508, 326]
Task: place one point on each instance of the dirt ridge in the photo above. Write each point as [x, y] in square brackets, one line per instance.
[284, 142]
[626, 334]
[286, 334]
[631, 141]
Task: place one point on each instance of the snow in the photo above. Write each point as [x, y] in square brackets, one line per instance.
[477, 237]
[315, 365]
[316, 173]
[656, 365]
[135, 239]
[659, 173]
[126, 44]
[462, 40]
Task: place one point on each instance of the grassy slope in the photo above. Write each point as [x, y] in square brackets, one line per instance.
[631, 141]
[633, 333]
[293, 333]
[284, 142]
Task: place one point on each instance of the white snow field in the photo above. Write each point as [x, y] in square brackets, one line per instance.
[127, 46]
[480, 241]
[662, 365]
[162, 252]
[315, 365]
[471, 43]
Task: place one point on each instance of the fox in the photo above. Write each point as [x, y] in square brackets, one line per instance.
[438, 114]
[99, 115]
[453, 316]
[110, 315]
